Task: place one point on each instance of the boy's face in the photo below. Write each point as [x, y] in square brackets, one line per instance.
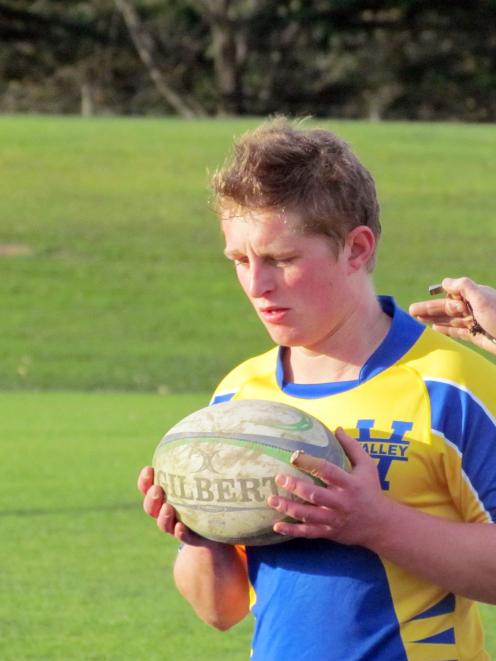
[298, 285]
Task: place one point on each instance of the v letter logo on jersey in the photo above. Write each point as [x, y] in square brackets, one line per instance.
[386, 450]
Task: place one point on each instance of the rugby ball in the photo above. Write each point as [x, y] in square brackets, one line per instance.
[218, 465]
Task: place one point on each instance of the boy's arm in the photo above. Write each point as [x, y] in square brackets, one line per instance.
[214, 580]
[211, 576]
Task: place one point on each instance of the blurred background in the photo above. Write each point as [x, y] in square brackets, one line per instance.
[372, 59]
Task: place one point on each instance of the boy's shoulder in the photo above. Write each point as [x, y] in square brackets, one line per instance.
[437, 357]
[260, 366]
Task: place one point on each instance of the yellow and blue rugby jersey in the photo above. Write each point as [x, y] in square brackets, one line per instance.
[424, 408]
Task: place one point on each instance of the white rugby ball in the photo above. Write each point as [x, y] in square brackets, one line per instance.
[218, 466]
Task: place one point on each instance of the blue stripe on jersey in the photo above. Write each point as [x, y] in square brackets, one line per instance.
[464, 421]
[321, 600]
[222, 397]
[443, 607]
[402, 335]
[443, 638]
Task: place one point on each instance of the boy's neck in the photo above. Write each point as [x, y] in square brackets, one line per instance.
[344, 352]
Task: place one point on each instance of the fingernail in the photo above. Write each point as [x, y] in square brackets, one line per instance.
[296, 456]
[307, 463]
[279, 531]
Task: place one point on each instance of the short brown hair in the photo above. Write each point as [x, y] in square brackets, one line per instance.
[309, 171]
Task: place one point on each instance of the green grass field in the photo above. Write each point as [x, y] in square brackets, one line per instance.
[85, 574]
[119, 281]
[111, 281]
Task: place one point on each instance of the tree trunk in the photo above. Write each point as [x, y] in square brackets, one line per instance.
[228, 49]
[227, 71]
[87, 107]
[146, 49]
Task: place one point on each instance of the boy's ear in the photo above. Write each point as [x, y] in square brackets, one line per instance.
[361, 244]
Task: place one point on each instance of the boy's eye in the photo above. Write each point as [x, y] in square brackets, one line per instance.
[283, 260]
[275, 260]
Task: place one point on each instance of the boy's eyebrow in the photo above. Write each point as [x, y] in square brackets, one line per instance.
[231, 253]
[269, 254]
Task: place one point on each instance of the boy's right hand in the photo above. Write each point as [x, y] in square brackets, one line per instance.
[155, 504]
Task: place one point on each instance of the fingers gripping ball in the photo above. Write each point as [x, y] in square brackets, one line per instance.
[218, 466]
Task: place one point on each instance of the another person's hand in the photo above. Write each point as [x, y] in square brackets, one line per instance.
[155, 504]
[454, 315]
[349, 509]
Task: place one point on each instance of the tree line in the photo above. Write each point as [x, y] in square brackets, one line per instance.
[409, 59]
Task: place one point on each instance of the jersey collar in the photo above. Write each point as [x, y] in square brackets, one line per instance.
[402, 335]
